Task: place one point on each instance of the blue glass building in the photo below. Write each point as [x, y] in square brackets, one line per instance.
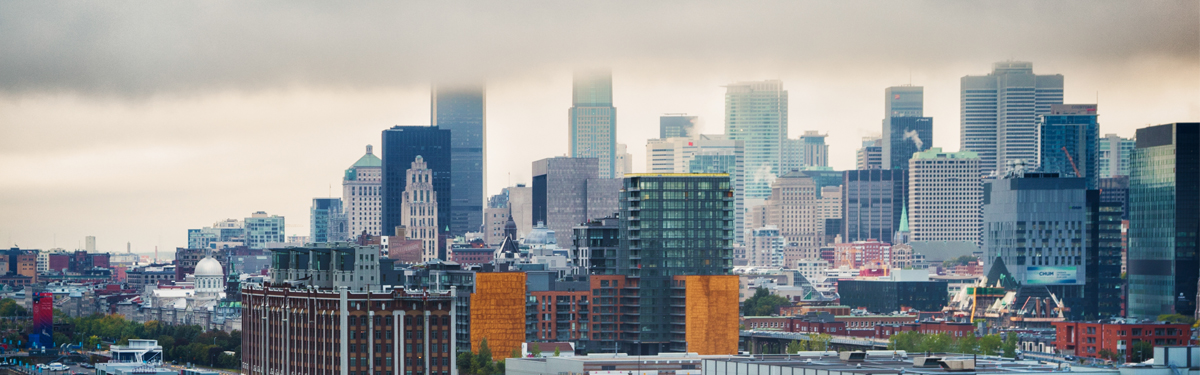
[327, 221]
[462, 111]
[1069, 141]
[401, 145]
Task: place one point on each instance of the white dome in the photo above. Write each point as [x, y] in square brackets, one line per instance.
[209, 267]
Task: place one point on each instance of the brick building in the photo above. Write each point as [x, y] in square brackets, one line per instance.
[955, 329]
[1087, 339]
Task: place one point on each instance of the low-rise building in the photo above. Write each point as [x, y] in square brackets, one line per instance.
[1088, 339]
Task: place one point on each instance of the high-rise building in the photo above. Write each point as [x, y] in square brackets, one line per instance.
[595, 246]
[1164, 219]
[765, 248]
[1069, 141]
[494, 219]
[560, 193]
[816, 152]
[756, 113]
[520, 201]
[1037, 224]
[402, 145]
[905, 129]
[419, 210]
[222, 234]
[870, 156]
[1113, 158]
[944, 195]
[463, 111]
[677, 125]
[327, 222]
[90, 244]
[624, 161]
[999, 113]
[872, 201]
[594, 120]
[362, 195]
[706, 153]
[1103, 287]
[262, 229]
[671, 225]
[791, 158]
[793, 207]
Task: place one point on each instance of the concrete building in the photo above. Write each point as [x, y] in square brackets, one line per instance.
[602, 196]
[765, 248]
[520, 200]
[462, 109]
[327, 221]
[89, 244]
[593, 119]
[493, 222]
[816, 152]
[419, 211]
[222, 234]
[756, 113]
[870, 156]
[362, 195]
[944, 195]
[560, 193]
[794, 207]
[262, 229]
[624, 161]
[1164, 201]
[872, 201]
[336, 265]
[402, 145]
[1069, 141]
[999, 113]
[705, 153]
[677, 125]
[1113, 157]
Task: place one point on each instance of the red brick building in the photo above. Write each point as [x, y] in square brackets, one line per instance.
[955, 329]
[1087, 339]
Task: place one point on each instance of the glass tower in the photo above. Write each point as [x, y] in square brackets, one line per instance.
[1069, 141]
[756, 113]
[327, 220]
[905, 130]
[675, 126]
[594, 120]
[999, 111]
[1164, 219]
[462, 110]
[1113, 157]
[402, 145]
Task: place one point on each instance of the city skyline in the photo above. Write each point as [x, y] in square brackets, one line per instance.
[181, 154]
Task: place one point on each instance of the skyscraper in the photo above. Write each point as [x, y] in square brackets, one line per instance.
[872, 201]
[262, 229]
[706, 153]
[1069, 141]
[463, 111]
[1164, 219]
[624, 161]
[560, 194]
[757, 114]
[999, 111]
[870, 156]
[674, 125]
[402, 145]
[944, 191]
[816, 152]
[419, 210]
[327, 222]
[594, 120]
[905, 130]
[1113, 157]
[362, 195]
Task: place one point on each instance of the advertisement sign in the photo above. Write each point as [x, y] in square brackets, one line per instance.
[43, 321]
[1050, 275]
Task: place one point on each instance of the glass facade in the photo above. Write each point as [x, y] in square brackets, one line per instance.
[594, 121]
[672, 126]
[1112, 159]
[461, 110]
[872, 203]
[999, 112]
[1164, 218]
[328, 223]
[757, 113]
[402, 145]
[670, 225]
[904, 136]
[1069, 141]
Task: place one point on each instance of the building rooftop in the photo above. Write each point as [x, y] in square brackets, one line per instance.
[892, 362]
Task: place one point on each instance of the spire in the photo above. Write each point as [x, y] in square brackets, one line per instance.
[903, 218]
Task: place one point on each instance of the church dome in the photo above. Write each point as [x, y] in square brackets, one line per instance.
[209, 267]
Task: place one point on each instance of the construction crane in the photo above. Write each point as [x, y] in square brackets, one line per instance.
[1072, 162]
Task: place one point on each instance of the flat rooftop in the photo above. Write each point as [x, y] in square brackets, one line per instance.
[879, 363]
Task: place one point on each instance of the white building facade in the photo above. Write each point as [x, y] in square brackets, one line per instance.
[362, 194]
[945, 196]
[419, 209]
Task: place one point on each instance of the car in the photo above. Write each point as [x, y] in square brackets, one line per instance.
[87, 365]
[55, 366]
[42, 366]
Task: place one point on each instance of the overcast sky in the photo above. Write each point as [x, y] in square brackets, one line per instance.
[134, 121]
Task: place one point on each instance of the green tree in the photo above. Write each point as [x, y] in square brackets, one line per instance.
[960, 261]
[967, 345]
[1108, 355]
[1141, 351]
[990, 344]
[937, 343]
[535, 349]
[1176, 318]
[820, 342]
[466, 363]
[1010, 345]
[793, 347]
[763, 303]
[556, 351]
[483, 359]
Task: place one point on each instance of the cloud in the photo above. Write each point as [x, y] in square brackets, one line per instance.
[137, 49]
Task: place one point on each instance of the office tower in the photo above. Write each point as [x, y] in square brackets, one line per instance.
[222, 234]
[706, 153]
[595, 246]
[594, 120]
[419, 209]
[1037, 224]
[602, 195]
[765, 248]
[1069, 141]
[1116, 189]
[870, 156]
[89, 243]
[677, 125]
[463, 111]
[402, 145]
[1103, 284]
[756, 113]
[520, 200]
[262, 229]
[624, 161]
[362, 195]
[1113, 158]
[560, 193]
[791, 157]
[816, 152]
[905, 129]
[326, 221]
[999, 111]
[793, 207]
[1164, 219]
[944, 191]
[670, 225]
[872, 201]
[494, 219]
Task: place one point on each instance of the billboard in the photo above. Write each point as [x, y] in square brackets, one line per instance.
[1050, 275]
[43, 321]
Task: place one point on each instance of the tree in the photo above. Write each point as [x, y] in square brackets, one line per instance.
[794, 347]
[1176, 318]
[763, 303]
[968, 345]
[483, 359]
[1010, 345]
[1141, 351]
[466, 362]
[556, 351]
[820, 342]
[960, 261]
[937, 343]
[535, 349]
[1108, 355]
[990, 344]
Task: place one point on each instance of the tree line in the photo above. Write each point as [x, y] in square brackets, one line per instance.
[913, 341]
[183, 343]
